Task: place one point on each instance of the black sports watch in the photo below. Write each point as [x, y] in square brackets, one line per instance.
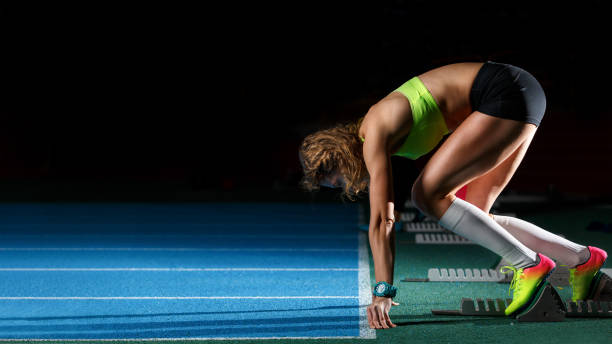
[384, 289]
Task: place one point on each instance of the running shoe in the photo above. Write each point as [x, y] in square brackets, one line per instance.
[582, 275]
[526, 282]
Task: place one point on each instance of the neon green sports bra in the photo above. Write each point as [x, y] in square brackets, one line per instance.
[428, 126]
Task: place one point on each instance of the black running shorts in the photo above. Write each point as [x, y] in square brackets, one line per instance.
[506, 91]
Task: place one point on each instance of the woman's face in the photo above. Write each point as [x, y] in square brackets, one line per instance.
[333, 180]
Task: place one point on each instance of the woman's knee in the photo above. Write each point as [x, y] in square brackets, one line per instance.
[427, 197]
[418, 197]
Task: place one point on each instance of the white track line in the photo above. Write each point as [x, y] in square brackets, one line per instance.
[171, 339]
[171, 297]
[365, 291]
[179, 269]
[177, 249]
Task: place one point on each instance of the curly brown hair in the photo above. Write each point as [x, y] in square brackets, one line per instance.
[335, 149]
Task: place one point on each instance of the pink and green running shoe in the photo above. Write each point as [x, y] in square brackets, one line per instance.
[526, 282]
[582, 275]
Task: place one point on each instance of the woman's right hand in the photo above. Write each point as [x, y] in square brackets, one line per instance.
[378, 312]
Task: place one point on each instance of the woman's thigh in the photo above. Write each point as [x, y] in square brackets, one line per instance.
[477, 146]
[484, 190]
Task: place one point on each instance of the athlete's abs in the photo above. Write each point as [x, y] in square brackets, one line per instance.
[450, 86]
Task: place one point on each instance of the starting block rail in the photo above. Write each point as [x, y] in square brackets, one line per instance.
[589, 308]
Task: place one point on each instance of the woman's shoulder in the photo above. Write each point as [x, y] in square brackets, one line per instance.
[390, 117]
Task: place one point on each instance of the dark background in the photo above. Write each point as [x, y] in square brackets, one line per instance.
[210, 102]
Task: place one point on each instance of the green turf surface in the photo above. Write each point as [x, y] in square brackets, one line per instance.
[418, 325]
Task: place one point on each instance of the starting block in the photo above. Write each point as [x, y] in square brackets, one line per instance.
[467, 275]
[448, 239]
[601, 287]
[546, 304]
[462, 275]
[558, 278]
[427, 227]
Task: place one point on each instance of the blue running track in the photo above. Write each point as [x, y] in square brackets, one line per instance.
[182, 271]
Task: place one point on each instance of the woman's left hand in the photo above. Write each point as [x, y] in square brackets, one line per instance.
[378, 312]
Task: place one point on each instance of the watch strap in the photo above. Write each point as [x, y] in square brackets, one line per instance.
[384, 289]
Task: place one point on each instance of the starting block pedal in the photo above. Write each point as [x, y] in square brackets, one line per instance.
[448, 239]
[560, 276]
[601, 287]
[546, 306]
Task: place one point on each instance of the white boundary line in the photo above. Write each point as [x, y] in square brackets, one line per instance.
[365, 296]
[177, 249]
[178, 269]
[169, 339]
[171, 297]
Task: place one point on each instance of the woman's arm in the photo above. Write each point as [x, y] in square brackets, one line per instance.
[381, 232]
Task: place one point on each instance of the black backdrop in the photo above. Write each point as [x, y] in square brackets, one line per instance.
[179, 102]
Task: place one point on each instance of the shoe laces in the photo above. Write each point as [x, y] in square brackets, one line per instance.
[515, 284]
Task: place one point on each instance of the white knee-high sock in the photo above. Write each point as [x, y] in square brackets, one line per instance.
[474, 224]
[540, 240]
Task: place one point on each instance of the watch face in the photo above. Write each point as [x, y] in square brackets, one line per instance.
[380, 288]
